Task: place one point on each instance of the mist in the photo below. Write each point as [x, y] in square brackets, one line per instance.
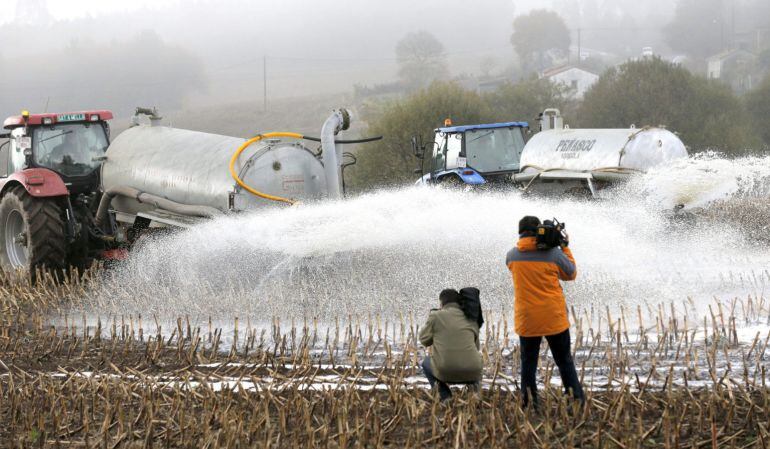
[261, 58]
[310, 48]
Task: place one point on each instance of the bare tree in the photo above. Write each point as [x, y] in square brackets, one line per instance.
[32, 12]
[699, 28]
[421, 59]
[540, 37]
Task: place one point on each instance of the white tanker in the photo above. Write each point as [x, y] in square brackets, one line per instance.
[68, 202]
[561, 160]
[167, 176]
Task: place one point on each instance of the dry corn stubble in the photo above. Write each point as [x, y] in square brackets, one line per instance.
[661, 376]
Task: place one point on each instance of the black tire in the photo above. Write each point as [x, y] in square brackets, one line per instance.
[452, 182]
[41, 242]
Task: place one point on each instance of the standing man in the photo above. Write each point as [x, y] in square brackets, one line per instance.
[540, 309]
[454, 338]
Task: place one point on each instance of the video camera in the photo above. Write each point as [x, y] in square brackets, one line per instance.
[551, 234]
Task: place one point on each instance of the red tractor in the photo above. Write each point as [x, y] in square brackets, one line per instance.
[50, 190]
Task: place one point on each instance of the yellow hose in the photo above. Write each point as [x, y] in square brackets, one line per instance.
[245, 145]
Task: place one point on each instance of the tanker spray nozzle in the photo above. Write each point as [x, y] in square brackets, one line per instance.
[345, 119]
[152, 113]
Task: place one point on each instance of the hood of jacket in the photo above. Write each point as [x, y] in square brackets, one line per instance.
[527, 244]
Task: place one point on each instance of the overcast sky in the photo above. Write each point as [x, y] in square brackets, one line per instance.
[305, 47]
[70, 9]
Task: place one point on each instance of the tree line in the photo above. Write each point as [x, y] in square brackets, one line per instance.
[116, 75]
[706, 114]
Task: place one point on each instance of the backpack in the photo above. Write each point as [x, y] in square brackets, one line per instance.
[470, 304]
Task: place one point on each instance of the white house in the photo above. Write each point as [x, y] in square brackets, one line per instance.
[579, 80]
[734, 67]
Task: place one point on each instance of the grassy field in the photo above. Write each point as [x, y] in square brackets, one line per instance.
[658, 376]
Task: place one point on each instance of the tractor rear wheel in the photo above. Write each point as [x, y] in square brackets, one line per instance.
[32, 235]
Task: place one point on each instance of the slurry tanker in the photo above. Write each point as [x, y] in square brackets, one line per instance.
[69, 196]
[559, 160]
[556, 160]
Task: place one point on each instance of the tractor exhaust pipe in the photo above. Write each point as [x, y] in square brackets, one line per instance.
[332, 154]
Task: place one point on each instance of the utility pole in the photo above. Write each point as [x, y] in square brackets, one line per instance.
[580, 48]
[264, 82]
[722, 35]
[732, 25]
[722, 23]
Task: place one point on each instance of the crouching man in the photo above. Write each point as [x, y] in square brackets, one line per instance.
[452, 333]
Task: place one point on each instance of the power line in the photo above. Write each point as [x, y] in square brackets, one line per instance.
[352, 58]
[264, 59]
[615, 28]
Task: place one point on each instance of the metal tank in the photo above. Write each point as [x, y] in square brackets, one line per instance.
[154, 169]
[559, 154]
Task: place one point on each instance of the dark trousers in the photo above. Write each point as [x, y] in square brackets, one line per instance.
[560, 349]
[443, 387]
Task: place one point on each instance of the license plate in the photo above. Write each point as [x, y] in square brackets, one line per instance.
[70, 117]
[25, 142]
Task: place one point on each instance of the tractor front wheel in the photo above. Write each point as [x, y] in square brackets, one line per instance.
[452, 182]
[32, 235]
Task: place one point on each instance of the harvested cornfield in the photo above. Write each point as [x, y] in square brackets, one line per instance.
[658, 377]
[130, 410]
[750, 215]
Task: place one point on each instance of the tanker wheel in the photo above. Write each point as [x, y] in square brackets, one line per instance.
[32, 234]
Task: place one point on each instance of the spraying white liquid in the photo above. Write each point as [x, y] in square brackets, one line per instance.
[393, 251]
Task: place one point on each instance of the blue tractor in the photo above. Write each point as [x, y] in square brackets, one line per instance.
[471, 154]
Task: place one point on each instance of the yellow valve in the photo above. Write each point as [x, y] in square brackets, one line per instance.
[240, 150]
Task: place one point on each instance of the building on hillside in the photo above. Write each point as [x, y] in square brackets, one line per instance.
[734, 67]
[492, 84]
[577, 79]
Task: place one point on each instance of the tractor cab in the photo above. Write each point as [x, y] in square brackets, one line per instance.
[72, 145]
[49, 190]
[472, 154]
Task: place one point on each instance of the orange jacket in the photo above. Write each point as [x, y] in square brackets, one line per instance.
[539, 306]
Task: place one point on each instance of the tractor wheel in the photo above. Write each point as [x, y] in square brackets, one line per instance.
[32, 235]
[452, 182]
